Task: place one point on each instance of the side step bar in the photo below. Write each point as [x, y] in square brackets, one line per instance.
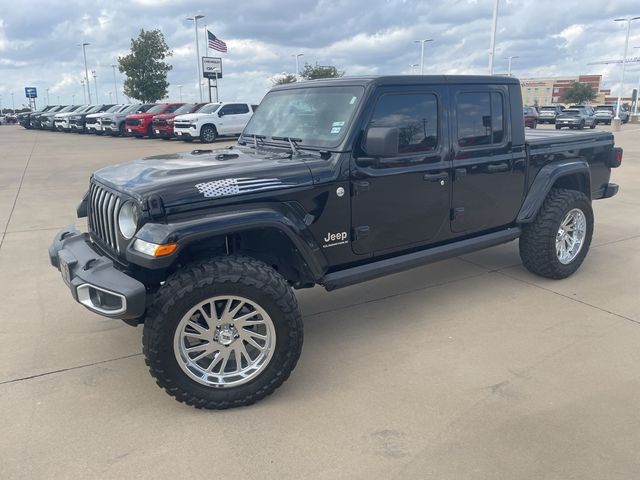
[362, 273]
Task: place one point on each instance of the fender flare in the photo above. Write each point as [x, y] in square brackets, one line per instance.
[544, 181]
[283, 217]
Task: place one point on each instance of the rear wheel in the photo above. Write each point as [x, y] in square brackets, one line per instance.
[558, 240]
[121, 130]
[558, 127]
[592, 126]
[581, 126]
[208, 134]
[535, 124]
[223, 333]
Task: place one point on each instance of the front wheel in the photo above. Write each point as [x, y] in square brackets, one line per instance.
[558, 240]
[208, 134]
[223, 333]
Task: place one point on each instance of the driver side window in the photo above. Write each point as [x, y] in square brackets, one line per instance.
[414, 115]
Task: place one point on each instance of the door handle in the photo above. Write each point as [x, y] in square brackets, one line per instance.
[497, 167]
[435, 177]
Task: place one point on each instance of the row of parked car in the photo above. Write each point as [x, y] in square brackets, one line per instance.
[574, 116]
[186, 121]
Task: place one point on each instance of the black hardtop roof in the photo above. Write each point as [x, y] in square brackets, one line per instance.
[405, 80]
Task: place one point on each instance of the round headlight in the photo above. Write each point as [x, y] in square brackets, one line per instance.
[128, 220]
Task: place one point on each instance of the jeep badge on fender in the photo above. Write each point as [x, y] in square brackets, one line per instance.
[206, 248]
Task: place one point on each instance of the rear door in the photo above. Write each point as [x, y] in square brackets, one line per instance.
[488, 179]
[403, 200]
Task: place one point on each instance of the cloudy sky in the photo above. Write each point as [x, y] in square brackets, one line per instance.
[552, 37]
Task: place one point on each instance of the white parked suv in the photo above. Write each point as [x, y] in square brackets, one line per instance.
[92, 121]
[213, 120]
[61, 121]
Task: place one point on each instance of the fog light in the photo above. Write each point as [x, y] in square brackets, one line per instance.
[153, 249]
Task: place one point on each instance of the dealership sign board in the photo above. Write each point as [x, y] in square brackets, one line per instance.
[30, 92]
[212, 67]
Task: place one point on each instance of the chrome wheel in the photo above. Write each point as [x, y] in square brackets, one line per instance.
[224, 341]
[570, 236]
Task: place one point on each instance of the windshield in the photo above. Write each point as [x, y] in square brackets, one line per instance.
[315, 116]
[115, 108]
[209, 108]
[68, 108]
[156, 109]
[93, 109]
[186, 108]
[608, 108]
[571, 112]
[552, 109]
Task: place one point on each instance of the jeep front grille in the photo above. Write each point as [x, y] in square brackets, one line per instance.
[103, 215]
[91, 121]
[133, 122]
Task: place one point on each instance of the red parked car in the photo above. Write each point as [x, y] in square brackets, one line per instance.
[139, 124]
[530, 117]
[163, 124]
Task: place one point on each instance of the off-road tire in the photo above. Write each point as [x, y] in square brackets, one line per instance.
[538, 239]
[122, 130]
[230, 275]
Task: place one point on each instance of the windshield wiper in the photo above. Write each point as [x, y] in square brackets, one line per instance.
[293, 142]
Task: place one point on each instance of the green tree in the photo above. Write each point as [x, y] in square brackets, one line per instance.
[313, 72]
[283, 79]
[144, 67]
[578, 93]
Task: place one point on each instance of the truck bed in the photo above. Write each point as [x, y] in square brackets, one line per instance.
[550, 146]
[564, 138]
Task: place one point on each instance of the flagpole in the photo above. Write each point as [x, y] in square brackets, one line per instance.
[206, 41]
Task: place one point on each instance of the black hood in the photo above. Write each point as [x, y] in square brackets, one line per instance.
[183, 178]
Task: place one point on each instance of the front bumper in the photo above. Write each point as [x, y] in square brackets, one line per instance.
[185, 132]
[93, 279]
[93, 127]
[136, 130]
[163, 130]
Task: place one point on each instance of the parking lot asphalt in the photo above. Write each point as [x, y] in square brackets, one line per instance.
[471, 368]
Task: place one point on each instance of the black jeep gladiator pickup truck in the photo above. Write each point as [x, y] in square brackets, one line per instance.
[332, 182]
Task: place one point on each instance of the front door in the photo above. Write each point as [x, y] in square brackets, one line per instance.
[488, 170]
[234, 119]
[403, 200]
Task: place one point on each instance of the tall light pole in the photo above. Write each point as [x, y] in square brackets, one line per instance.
[616, 120]
[297, 56]
[13, 105]
[73, 99]
[86, 70]
[47, 90]
[195, 19]
[84, 93]
[494, 28]
[110, 97]
[115, 83]
[95, 84]
[422, 42]
[510, 58]
[180, 89]
[635, 108]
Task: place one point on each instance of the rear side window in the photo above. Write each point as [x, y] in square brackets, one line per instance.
[415, 116]
[235, 109]
[480, 118]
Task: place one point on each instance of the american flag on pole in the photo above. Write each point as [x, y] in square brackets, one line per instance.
[215, 43]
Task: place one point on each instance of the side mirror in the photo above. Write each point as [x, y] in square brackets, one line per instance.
[382, 141]
[220, 114]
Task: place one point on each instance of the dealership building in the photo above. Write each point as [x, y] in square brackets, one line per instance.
[549, 91]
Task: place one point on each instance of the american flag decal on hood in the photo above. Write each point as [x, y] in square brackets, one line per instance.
[234, 186]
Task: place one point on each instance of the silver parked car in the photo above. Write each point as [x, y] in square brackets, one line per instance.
[606, 113]
[576, 117]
